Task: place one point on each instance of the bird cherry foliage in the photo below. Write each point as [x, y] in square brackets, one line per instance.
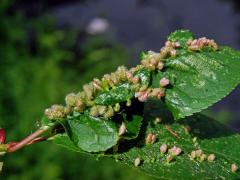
[148, 116]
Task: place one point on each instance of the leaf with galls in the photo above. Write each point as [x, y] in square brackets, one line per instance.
[189, 161]
[187, 75]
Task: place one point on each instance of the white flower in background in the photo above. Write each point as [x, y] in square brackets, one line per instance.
[97, 26]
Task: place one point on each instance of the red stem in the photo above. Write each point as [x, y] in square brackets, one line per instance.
[38, 139]
[27, 140]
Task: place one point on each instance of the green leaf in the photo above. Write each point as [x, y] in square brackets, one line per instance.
[46, 122]
[119, 94]
[142, 55]
[144, 75]
[181, 36]
[64, 141]
[212, 137]
[199, 79]
[133, 125]
[132, 116]
[92, 134]
[97, 132]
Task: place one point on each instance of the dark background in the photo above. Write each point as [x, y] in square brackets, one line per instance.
[51, 48]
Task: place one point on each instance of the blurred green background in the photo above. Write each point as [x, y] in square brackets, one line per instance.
[39, 64]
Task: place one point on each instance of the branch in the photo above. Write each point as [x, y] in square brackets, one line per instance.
[28, 140]
[38, 139]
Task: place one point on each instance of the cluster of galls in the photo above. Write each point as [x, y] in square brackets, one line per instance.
[121, 75]
[56, 111]
[151, 138]
[172, 152]
[99, 110]
[170, 49]
[199, 44]
[85, 99]
[150, 92]
[144, 94]
[154, 61]
[200, 156]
